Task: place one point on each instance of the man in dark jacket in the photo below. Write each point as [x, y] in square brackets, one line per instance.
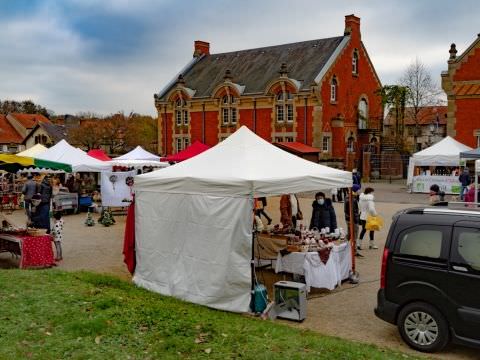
[465, 180]
[323, 213]
[29, 189]
[356, 216]
[44, 208]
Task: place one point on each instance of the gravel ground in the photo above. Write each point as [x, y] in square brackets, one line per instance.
[346, 312]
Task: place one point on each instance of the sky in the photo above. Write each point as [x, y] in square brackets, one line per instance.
[105, 56]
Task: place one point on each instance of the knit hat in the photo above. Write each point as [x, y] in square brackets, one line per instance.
[355, 188]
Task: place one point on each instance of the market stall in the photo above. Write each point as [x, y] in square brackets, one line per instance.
[99, 154]
[193, 150]
[437, 164]
[193, 221]
[138, 159]
[34, 151]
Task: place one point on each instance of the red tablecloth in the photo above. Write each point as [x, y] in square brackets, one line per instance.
[36, 251]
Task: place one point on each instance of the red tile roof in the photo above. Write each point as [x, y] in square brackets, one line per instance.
[8, 134]
[427, 115]
[297, 147]
[29, 121]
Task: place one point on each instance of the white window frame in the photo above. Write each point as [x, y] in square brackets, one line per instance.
[181, 113]
[179, 144]
[229, 110]
[351, 144]
[333, 89]
[284, 107]
[186, 142]
[355, 62]
[478, 140]
[185, 117]
[326, 143]
[362, 122]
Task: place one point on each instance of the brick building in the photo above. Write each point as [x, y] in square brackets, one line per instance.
[461, 82]
[431, 126]
[320, 93]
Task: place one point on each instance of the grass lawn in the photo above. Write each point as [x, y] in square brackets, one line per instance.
[51, 314]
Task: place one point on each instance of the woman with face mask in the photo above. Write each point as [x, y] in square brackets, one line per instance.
[367, 208]
[323, 213]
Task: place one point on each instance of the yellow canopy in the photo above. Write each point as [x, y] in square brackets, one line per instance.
[34, 151]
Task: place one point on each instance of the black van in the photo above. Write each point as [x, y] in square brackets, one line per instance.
[430, 278]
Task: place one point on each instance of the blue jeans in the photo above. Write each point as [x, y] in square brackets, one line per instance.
[462, 191]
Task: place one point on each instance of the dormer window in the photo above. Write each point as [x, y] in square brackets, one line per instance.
[181, 113]
[284, 107]
[229, 110]
[355, 62]
[333, 89]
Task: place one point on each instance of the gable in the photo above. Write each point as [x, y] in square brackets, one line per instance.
[468, 64]
[256, 68]
[8, 134]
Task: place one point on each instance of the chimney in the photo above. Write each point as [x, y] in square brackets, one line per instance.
[201, 48]
[352, 25]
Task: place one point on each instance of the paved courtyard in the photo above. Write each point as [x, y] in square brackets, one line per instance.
[346, 312]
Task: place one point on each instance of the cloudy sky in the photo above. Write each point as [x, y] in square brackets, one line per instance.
[112, 55]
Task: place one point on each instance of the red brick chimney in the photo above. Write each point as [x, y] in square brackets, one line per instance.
[201, 48]
[352, 25]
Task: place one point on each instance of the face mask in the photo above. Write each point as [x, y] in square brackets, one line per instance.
[321, 201]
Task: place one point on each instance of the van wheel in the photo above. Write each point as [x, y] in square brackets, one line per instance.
[423, 327]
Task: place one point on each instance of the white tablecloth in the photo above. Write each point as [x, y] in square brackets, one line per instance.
[317, 274]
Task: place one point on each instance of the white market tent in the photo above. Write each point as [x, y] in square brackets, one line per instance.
[34, 151]
[446, 152]
[138, 158]
[138, 154]
[79, 160]
[193, 221]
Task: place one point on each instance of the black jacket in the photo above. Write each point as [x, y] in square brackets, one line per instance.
[465, 179]
[45, 192]
[356, 212]
[323, 216]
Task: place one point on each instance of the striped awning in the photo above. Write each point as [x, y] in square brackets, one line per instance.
[13, 163]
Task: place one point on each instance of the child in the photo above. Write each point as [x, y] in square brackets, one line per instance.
[58, 235]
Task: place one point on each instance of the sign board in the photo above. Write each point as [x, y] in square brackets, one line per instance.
[447, 184]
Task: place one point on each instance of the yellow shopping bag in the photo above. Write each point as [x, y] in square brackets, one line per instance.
[374, 223]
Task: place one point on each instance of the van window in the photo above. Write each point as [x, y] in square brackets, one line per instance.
[466, 248]
[421, 242]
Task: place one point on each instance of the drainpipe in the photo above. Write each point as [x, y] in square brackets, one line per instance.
[165, 129]
[255, 116]
[203, 123]
[305, 121]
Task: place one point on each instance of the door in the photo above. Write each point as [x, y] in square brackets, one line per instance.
[418, 266]
[464, 279]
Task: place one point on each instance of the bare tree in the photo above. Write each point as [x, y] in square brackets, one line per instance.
[423, 91]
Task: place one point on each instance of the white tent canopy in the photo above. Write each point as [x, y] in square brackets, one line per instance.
[138, 163]
[79, 160]
[446, 152]
[34, 151]
[138, 154]
[193, 220]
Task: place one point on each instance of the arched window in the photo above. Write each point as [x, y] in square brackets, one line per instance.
[229, 110]
[181, 112]
[355, 62]
[362, 114]
[333, 89]
[284, 107]
[351, 144]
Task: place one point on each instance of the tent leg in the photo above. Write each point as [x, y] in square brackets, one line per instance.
[353, 245]
[476, 186]
[252, 269]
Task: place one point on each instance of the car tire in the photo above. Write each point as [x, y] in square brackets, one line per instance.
[423, 327]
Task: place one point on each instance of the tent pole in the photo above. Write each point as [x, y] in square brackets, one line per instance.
[476, 182]
[252, 261]
[351, 225]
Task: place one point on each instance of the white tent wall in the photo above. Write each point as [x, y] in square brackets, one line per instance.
[195, 247]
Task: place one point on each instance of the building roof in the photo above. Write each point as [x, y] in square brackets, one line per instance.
[256, 68]
[55, 132]
[426, 116]
[297, 147]
[29, 121]
[8, 134]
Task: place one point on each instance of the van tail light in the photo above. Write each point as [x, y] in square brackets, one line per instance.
[383, 273]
